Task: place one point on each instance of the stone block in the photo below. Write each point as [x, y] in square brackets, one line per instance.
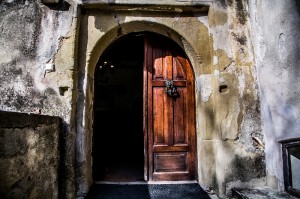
[50, 1]
[29, 155]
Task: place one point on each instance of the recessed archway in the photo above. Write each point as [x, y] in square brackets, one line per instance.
[118, 141]
[133, 139]
[94, 41]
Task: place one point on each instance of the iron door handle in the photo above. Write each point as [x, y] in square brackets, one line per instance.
[171, 89]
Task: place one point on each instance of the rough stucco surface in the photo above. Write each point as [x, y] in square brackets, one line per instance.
[30, 36]
[227, 105]
[49, 53]
[29, 155]
[19, 32]
[41, 75]
[31, 79]
[277, 47]
[232, 114]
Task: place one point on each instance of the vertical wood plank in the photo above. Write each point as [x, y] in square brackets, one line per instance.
[145, 108]
[159, 116]
[171, 122]
[149, 68]
[168, 65]
[158, 64]
[168, 70]
[191, 117]
[180, 131]
[179, 68]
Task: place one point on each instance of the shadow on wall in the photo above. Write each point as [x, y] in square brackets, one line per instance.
[60, 6]
[298, 6]
[229, 164]
[29, 155]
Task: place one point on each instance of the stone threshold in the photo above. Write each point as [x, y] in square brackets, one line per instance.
[261, 193]
[145, 182]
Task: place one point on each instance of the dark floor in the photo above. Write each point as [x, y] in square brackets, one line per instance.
[147, 191]
[120, 173]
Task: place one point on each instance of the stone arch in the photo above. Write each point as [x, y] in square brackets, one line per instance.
[138, 26]
[85, 99]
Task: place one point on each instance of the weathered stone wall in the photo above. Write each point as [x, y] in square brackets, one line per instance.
[29, 155]
[218, 43]
[30, 36]
[34, 77]
[232, 136]
[49, 52]
[276, 41]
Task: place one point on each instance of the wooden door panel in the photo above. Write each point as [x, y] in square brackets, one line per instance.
[161, 117]
[180, 131]
[179, 68]
[159, 148]
[170, 162]
[158, 71]
[162, 64]
[170, 121]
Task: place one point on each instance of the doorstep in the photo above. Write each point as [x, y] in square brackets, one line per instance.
[263, 193]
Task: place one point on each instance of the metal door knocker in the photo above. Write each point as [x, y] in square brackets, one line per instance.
[171, 89]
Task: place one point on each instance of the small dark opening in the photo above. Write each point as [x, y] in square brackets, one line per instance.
[62, 90]
[291, 165]
[118, 140]
[223, 89]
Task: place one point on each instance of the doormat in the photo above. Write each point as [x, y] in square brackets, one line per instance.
[147, 191]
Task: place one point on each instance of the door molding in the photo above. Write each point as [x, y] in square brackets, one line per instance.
[180, 6]
[169, 131]
[98, 30]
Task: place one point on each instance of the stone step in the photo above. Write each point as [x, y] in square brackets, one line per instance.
[263, 193]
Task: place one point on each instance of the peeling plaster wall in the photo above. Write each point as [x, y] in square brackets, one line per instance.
[37, 69]
[30, 37]
[276, 42]
[227, 102]
[231, 130]
[50, 52]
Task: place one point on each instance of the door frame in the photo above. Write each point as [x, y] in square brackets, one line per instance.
[145, 111]
[145, 115]
[92, 45]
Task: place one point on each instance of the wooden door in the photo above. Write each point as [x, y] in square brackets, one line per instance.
[169, 121]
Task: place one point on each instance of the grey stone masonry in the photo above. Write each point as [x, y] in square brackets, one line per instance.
[29, 155]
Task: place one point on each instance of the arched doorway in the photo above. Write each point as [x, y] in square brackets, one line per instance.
[118, 141]
[144, 112]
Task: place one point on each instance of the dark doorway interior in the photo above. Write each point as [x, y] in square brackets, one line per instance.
[118, 140]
